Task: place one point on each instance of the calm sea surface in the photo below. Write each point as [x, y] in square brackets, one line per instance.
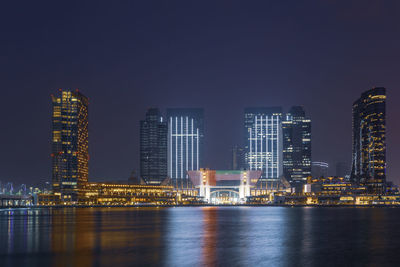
[200, 236]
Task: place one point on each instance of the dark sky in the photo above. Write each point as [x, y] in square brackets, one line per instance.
[221, 55]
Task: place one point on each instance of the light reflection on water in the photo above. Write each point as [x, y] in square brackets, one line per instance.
[199, 236]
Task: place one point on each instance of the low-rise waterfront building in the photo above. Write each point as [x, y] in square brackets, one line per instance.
[224, 186]
[327, 186]
[48, 199]
[111, 193]
[9, 200]
[103, 193]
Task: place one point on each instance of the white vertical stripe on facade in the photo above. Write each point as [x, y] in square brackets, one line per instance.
[197, 150]
[170, 146]
[251, 152]
[261, 143]
[277, 145]
[192, 145]
[176, 147]
[187, 145]
[181, 135]
[256, 144]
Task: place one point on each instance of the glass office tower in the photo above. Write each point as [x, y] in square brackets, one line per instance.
[296, 128]
[263, 141]
[153, 147]
[70, 145]
[185, 143]
[369, 139]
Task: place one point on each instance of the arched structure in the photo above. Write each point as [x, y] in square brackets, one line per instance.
[237, 182]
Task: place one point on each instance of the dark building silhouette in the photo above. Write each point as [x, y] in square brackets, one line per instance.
[238, 160]
[369, 139]
[70, 145]
[185, 143]
[153, 147]
[296, 129]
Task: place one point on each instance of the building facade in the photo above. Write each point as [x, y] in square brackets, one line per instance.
[185, 143]
[369, 138]
[263, 142]
[70, 145]
[153, 147]
[296, 128]
[224, 186]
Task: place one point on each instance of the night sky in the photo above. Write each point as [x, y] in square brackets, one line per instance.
[219, 55]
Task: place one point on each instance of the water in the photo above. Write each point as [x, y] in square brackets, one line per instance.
[200, 236]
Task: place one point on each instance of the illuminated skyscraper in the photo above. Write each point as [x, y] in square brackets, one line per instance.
[70, 150]
[296, 129]
[185, 143]
[369, 139]
[263, 139]
[153, 147]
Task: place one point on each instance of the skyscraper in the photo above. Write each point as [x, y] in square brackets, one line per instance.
[153, 147]
[70, 144]
[369, 139]
[296, 128]
[185, 143]
[263, 141]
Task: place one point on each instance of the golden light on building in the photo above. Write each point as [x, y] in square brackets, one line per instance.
[70, 144]
[369, 139]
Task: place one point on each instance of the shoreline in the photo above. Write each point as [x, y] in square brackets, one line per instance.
[205, 205]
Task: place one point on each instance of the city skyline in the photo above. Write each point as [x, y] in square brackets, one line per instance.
[277, 151]
[223, 64]
[282, 119]
[199, 133]
[171, 147]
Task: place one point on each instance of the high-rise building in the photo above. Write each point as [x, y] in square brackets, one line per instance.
[185, 143]
[263, 142]
[153, 147]
[319, 169]
[369, 139]
[238, 158]
[70, 144]
[296, 128]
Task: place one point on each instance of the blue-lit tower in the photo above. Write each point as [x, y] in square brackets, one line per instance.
[185, 143]
[263, 142]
